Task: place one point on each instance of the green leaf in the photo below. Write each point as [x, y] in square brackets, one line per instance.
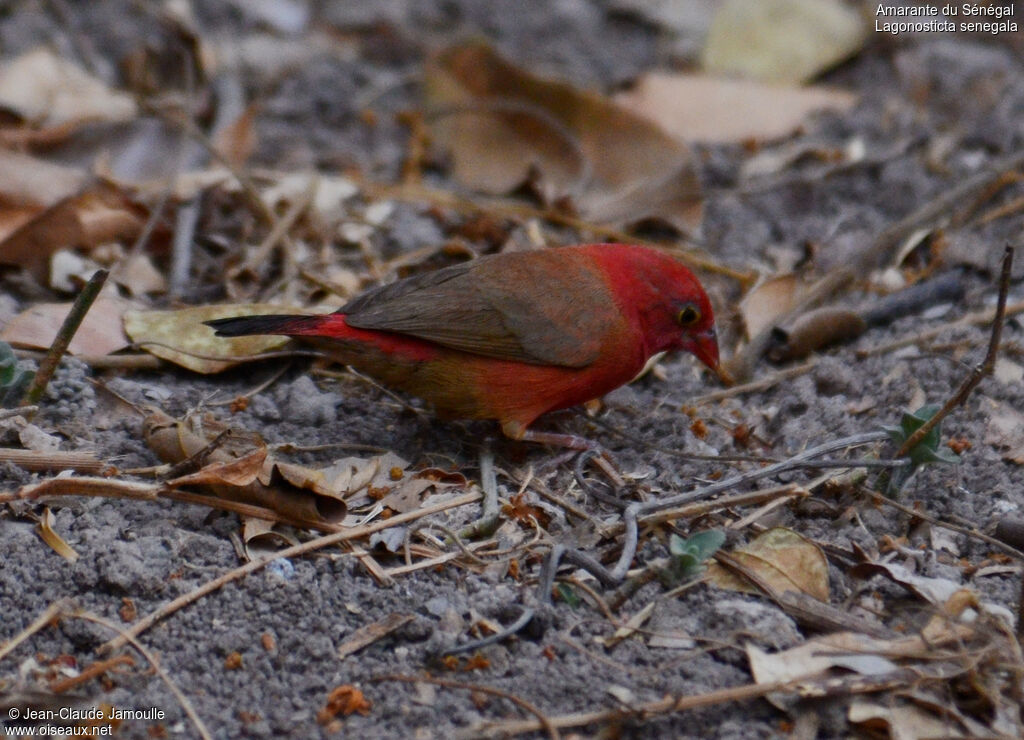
[567, 594]
[928, 450]
[689, 554]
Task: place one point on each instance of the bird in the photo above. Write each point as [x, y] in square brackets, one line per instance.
[515, 335]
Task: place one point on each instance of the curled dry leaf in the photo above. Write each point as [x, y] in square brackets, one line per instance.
[933, 590]
[180, 336]
[782, 558]
[782, 40]
[103, 214]
[849, 651]
[235, 466]
[34, 183]
[505, 127]
[900, 719]
[769, 300]
[719, 110]
[46, 532]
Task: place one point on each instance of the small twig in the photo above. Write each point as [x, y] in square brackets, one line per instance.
[49, 614]
[490, 514]
[974, 318]
[90, 672]
[186, 221]
[545, 583]
[756, 385]
[64, 336]
[104, 362]
[258, 389]
[980, 371]
[659, 706]
[280, 229]
[82, 462]
[543, 721]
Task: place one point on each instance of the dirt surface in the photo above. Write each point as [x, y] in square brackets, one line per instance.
[258, 657]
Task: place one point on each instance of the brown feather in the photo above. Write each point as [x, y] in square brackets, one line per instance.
[478, 307]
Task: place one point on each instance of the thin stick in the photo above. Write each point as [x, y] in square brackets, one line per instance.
[104, 362]
[295, 550]
[64, 336]
[48, 615]
[756, 385]
[980, 371]
[53, 460]
[659, 706]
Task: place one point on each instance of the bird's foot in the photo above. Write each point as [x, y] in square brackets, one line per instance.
[590, 450]
[603, 461]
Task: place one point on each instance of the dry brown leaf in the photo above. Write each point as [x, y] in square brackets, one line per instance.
[847, 650]
[236, 472]
[138, 275]
[718, 110]
[898, 719]
[180, 336]
[505, 127]
[48, 90]
[260, 534]
[788, 41]
[785, 560]
[35, 183]
[769, 300]
[237, 467]
[95, 217]
[933, 590]
[371, 633]
[628, 629]
[99, 334]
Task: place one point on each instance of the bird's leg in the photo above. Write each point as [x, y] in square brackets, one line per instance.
[515, 430]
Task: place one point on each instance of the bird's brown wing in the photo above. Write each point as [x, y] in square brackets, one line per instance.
[546, 308]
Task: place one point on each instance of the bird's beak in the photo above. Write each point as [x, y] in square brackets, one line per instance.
[705, 347]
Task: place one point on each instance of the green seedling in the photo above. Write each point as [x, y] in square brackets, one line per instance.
[929, 450]
[688, 556]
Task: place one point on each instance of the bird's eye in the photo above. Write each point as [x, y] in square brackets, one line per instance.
[688, 315]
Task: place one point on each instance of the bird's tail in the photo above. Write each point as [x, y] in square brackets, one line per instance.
[288, 325]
